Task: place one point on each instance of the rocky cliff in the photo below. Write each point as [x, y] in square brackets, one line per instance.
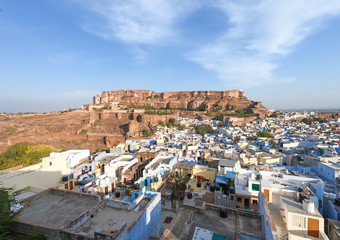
[200, 100]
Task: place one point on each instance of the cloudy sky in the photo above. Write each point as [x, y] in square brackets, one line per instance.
[58, 54]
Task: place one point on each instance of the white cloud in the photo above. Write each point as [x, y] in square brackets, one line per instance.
[137, 21]
[259, 32]
[246, 54]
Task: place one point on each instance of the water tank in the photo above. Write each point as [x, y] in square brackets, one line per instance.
[117, 194]
[223, 213]
[64, 178]
[217, 188]
[332, 195]
[189, 195]
[198, 184]
[212, 188]
[308, 205]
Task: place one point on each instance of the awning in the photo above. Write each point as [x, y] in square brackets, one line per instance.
[221, 179]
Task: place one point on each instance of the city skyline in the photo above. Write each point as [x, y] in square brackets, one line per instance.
[58, 55]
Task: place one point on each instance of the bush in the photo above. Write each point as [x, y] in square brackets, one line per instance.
[152, 112]
[203, 129]
[264, 134]
[83, 131]
[146, 133]
[24, 154]
[142, 107]
[161, 123]
[220, 125]
[172, 120]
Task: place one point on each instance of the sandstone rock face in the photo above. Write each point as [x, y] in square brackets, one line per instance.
[204, 100]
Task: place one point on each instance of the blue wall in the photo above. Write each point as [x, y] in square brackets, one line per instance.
[319, 192]
[144, 229]
[327, 173]
[262, 211]
[332, 212]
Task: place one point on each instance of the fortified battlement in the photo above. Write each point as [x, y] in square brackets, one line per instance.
[207, 100]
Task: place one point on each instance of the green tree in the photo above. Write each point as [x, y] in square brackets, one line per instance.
[5, 215]
[220, 124]
[161, 123]
[307, 121]
[274, 115]
[180, 126]
[169, 125]
[203, 129]
[34, 236]
[219, 117]
[319, 119]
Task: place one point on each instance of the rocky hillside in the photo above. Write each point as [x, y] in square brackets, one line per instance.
[117, 115]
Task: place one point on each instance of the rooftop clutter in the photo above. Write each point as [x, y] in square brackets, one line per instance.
[275, 178]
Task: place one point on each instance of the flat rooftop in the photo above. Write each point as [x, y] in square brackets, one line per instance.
[110, 219]
[232, 227]
[161, 161]
[296, 207]
[274, 209]
[57, 210]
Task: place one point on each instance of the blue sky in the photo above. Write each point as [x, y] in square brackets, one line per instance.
[58, 54]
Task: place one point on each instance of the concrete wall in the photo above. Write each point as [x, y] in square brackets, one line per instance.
[27, 228]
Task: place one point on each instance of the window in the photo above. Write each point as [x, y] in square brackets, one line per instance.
[254, 202]
[231, 198]
[298, 221]
[255, 187]
[50, 163]
[239, 199]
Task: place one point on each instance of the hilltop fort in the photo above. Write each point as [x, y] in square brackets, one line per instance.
[194, 100]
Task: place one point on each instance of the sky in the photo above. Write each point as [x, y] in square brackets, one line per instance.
[56, 55]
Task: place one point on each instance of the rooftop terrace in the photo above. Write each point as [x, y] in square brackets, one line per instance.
[56, 208]
[110, 219]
